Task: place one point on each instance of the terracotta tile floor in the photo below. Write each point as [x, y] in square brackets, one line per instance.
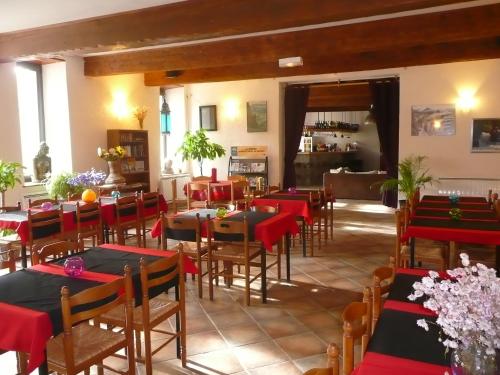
[289, 334]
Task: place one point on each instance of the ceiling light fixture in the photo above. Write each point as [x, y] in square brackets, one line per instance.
[290, 62]
[173, 73]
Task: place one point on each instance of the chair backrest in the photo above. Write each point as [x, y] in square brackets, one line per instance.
[201, 178]
[383, 278]
[73, 197]
[39, 202]
[400, 230]
[89, 219]
[315, 201]
[11, 208]
[273, 189]
[55, 250]
[104, 192]
[7, 259]
[257, 193]
[44, 224]
[127, 207]
[496, 205]
[151, 204]
[239, 186]
[328, 193]
[158, 273]
[357, 324]
[180, 223]
[89, 304]
[236, 177]
[175, 199]
[202, 189]
[226, 227]
[264, 208]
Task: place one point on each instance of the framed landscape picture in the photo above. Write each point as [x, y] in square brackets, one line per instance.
[256, 116]
[485, 135]
[433, 120]
[208, 117]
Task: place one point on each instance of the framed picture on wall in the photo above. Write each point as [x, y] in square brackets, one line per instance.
[485, 135]
[433, 120]
[208, 117]
[257, 116]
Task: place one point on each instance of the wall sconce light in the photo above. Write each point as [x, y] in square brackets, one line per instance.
[231, 108]
[119, 107]
[165, 120]
[466, 100]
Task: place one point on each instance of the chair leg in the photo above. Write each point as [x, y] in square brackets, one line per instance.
[200, 275]
[147, 352]
[210, 279]
[279, 251]
[247, 285]
[263, 275]
[311, 238]
[100, 369]
[138, 350]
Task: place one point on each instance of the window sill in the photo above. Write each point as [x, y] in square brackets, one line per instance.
[31, 184]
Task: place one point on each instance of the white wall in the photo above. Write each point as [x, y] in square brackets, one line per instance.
[233, 131]
[90, 107]
[176, 99]
[57, 126]
[10, 142]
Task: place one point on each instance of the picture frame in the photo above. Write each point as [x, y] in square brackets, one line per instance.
[208, 117]
[432, 120]
[485, 135]
[257, 116]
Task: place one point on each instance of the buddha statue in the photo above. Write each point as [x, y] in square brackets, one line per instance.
[42, 164]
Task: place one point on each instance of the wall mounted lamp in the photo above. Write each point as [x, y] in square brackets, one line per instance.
[165, 120]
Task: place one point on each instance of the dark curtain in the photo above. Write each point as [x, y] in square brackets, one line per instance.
[295, 115]
[385, 95]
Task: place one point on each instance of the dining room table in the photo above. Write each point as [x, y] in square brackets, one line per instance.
[294, 203]
[398, 345]
[478, 224]
[265, 227]
[18, 220]
[30, 307]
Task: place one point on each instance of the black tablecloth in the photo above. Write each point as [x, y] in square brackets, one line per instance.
[253, 218]
[456, 224]
[188, 234]
[446, 198]
[478, 215]
[291, 197]
[397, 334]
[402, 287]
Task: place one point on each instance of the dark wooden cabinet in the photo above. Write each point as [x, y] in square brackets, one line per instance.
[135, 166]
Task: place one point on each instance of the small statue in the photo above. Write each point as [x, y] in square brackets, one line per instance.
[168, 167]
[42, 164]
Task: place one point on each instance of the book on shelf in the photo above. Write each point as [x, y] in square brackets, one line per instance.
[139, 165]
[258, 167]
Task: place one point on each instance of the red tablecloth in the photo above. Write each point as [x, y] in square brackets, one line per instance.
[295, 207]
[219, 191]
[27, 330]
[485, 237]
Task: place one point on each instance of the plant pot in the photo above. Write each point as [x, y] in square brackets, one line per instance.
[115, 173]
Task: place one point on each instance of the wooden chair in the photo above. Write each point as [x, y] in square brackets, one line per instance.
[39, 202]
[89, 223]
[12, 241]
[271, 189]
[234, 252]
[176, 202]
[328, 200]
[154, 311]
[151, 211]
[53, 250]
[127, 217]
[430, 254]
[200, 188]
[44, 227]
[332, 353]
[194, 249]
[201, 178]
[17, 207]
[81, 346]
[383, 278]
[240, 186]
[236, 177]
[73, 197]
[316, 225]
[357, 324]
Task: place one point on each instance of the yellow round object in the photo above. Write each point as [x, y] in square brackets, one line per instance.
[89, 196]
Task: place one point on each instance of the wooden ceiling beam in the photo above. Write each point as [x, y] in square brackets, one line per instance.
[488, 48]
[192, 20]
[330, 43]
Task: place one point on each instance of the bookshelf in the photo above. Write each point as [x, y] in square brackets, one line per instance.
[250, 167]
[135, 166]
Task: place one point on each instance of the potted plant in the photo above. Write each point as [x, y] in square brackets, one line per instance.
[60, 186]
[412, 176]
[9, 176]
[197, 146]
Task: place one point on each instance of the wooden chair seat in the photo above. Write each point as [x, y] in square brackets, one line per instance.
[191, 248]
[89, 342]
[159, 310]
[234, 253]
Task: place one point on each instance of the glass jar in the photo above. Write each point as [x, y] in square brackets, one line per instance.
[472, 359]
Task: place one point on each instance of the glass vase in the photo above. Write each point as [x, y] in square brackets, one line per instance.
[472, 359]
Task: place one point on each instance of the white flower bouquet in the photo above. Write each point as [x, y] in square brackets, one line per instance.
[467, 305]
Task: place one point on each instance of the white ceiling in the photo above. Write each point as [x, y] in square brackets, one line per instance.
[26, 14]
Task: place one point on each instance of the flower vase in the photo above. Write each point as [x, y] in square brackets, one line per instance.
[472, 359]
[115, 173]
[141, 122]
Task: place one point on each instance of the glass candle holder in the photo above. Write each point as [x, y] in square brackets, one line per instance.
[292, 190]
[74, 266]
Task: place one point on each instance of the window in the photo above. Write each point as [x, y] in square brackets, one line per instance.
[31, 117]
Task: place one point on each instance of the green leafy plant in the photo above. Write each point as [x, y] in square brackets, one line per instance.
[197, 146]
[59, 186]
[412, 176]
[10, 175]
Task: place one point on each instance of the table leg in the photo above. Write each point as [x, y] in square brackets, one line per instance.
[263, 270]
[24, 256]
[105, 229]
[44, 367]
[177, 323]
[303, 236]
[287, 254]
[412, 252]
[452, 255]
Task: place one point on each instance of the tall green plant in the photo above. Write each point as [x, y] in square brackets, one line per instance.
[197, 146]
[412, 176]
[10, 175]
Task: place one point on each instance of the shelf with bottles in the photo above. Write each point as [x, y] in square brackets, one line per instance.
[332, 127]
